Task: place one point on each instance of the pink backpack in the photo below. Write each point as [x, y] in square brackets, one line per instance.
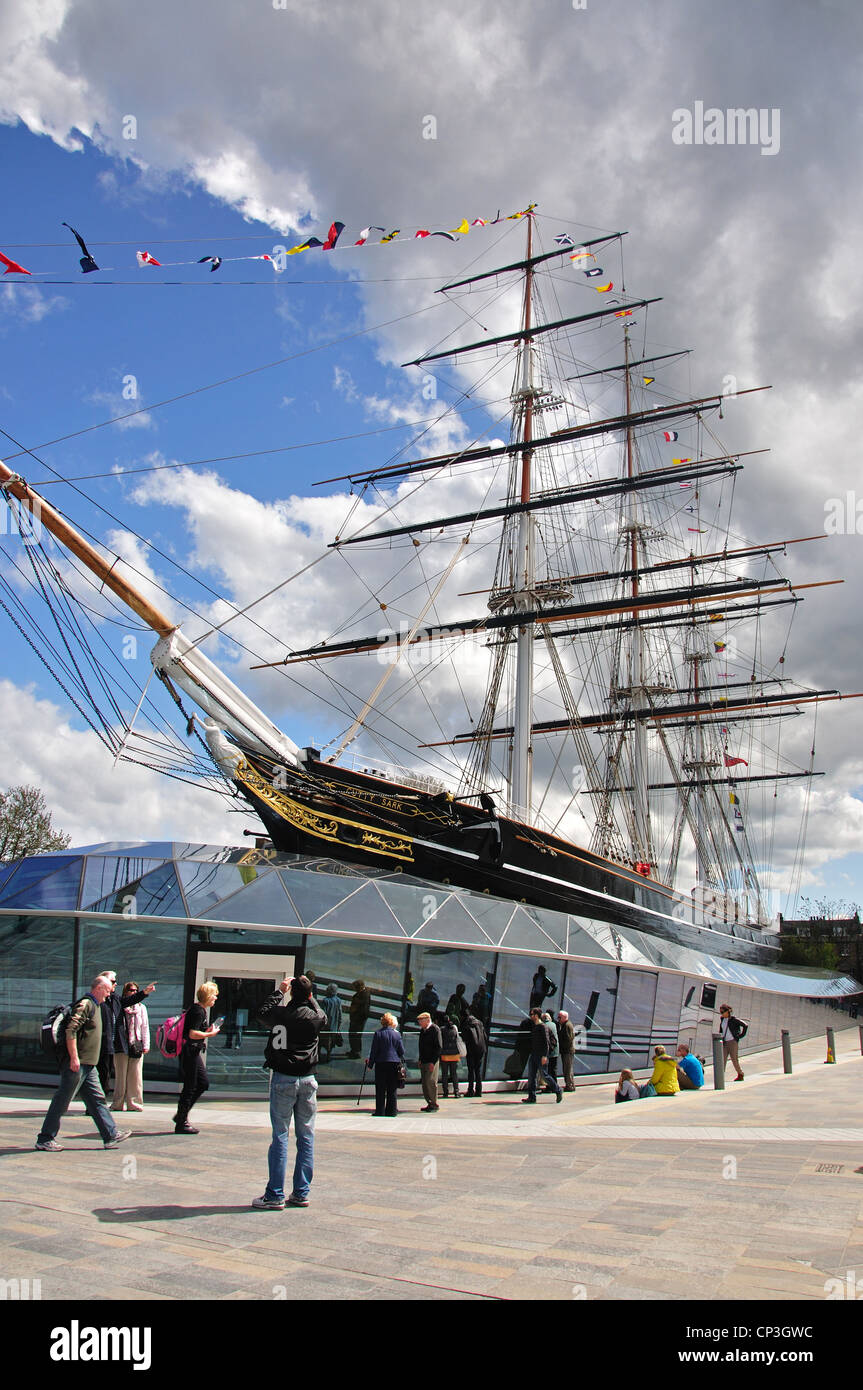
[169, 1036]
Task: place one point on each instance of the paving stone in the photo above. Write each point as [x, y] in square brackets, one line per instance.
[574, 1201]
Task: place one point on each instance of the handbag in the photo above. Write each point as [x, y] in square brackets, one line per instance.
[136, 1050]
[462, 1047]
[401, 1076]
[648, 1089]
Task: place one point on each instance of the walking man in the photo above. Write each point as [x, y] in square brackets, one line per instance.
[731, 1030]
[538, 1060]
[79, 1072]
[566, 1036]
[430, 1048]
[292, 1056]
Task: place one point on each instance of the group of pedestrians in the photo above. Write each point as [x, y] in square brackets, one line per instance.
[685, 1072]
[101, 1026]
[102, 1022]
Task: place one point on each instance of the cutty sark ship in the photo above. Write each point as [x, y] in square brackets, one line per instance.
[616, 586]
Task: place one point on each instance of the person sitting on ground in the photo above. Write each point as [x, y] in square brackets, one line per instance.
[664, 1076]
[690, 1072]
[626, 1088]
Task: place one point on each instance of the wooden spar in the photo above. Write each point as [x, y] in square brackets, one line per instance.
[714, 708]
[45, 514]
[463, 627]
[692, 559]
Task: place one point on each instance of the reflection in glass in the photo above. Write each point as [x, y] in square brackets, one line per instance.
[633, 1015]
[36, 960]
[369, 979]
[589, 996]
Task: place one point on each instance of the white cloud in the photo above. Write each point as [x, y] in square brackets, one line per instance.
[25, 302]
[122, 803]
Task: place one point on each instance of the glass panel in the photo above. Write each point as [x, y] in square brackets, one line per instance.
[287, 940]
[581, 943]
[514, 986]
[589, 996]
[525, 933]
[493, 914]
[144, 952]
[314, 894]
[31, 870]
[6, 872]
[447, 920]
[553, 924]
[405, 900]
[363, 912]
[369, 974]
[205, 883]
[105, 875]
[449, 973]
[632, 1020]
[157, 894]
[58, 890]
[36, 960]
[263, 901]
[666, 1012]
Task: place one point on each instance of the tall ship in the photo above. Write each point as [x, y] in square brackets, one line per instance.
[623, 765]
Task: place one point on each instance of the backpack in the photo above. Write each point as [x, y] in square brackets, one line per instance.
[53, 1032]
[169, 1036]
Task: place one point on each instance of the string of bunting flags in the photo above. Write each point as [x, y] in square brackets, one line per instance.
[278, 259]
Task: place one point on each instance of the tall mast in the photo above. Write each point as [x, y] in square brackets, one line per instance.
[525, 575]
[637, 693]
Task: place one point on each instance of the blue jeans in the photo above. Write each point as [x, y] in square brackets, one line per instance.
[534, 1066]
[86, 1080]
[297, 1096]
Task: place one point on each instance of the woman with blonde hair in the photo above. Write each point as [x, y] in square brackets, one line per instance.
[664, 1076]
[193, 1070]
[387, 1056]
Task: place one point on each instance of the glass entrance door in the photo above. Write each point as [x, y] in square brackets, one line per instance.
[245, 980]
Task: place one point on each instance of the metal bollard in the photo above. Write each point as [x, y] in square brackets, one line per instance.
[718, 1063]
[786, 1051]
[831, 1046]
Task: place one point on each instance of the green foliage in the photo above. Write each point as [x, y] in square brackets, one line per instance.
[25, 825]
[817, 953]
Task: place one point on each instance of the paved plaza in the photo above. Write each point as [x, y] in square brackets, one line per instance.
[751, 1193]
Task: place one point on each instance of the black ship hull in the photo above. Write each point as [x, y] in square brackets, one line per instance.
[332, 811]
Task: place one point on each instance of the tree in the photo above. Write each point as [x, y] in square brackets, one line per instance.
[820, 953]
[25, 825]
[827, 909]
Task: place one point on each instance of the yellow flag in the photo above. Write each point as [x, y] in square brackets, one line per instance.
[462, 227]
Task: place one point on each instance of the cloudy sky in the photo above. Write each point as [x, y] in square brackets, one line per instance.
[218, 129]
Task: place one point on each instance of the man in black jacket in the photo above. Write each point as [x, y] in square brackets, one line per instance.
[292, 1056]
[430, 1047]
[540, 1048]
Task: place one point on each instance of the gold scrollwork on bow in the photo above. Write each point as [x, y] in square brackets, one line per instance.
[324, 827]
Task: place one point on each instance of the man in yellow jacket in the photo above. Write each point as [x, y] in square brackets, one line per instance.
[664, 1076]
